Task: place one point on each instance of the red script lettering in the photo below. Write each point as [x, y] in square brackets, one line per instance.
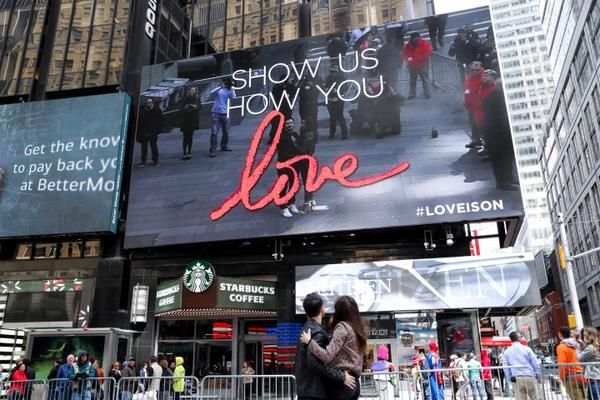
[343, 167]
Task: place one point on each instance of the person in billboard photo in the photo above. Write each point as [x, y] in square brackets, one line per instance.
[222, 96]
[189, 120]
[400, 162]
[149, 125]
[416, 54]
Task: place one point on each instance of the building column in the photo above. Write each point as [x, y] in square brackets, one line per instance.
[409, 10]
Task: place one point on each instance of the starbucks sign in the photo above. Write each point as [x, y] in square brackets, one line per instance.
[199, 276]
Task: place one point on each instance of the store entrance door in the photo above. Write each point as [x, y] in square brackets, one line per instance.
[213, 358]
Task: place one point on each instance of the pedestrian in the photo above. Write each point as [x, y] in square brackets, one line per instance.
[166, 380]
[314, 379]
[282, 96]
[498, 138]
[247, 372]
[115, 374]
[286, 150]
[486, 363]
[589, 353]
[434, 364]
[486, 87]
[387, 112]
[79, 374]
[389, 58]
[54, 371]
[522, 368]
[19, 387]
[475, 373]
[381, 368]
[571, 375]
[348, 345]
[189, 120]
[454, 374]
[128, 384]
[143, 375]
[62, 387]
[178, 380]
[309, 98]
[465, 47]
[98, 389]
[436, 25]
[222, 96]
[149, 124]
[416, 54]
[473, 104]
[306, 145]
[335, 105]
[336, 47]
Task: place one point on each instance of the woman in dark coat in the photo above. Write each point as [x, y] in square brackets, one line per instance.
[189, 120]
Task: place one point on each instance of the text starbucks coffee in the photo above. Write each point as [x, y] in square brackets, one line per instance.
[245, 293]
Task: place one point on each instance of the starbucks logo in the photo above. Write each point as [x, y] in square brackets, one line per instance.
[198, 276]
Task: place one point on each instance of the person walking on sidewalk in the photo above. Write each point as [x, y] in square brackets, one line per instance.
[416, 54]
[523, 369]
[220, 115]
[486, 363]
[475, 373]
[572, 375]
[589, 353]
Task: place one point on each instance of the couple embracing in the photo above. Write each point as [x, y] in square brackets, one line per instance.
[330, 369]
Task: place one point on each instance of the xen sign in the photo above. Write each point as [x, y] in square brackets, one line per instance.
[150, 19]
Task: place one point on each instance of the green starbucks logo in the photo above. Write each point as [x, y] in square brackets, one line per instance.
[198, 276]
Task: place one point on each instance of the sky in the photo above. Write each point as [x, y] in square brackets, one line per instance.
[445, 6]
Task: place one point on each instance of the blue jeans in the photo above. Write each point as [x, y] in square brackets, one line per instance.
[219, 121]
[594, 390]
[477, 389]
[82, 395]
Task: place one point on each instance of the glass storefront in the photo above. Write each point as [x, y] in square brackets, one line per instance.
[219, 347]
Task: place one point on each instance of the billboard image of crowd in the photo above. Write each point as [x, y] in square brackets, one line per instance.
[61, 163]
[381, 126]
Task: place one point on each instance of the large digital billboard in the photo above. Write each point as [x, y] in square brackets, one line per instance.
[61, 165]
[393, 125]
[424, 284]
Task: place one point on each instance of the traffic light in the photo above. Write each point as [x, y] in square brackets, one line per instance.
[561, 255]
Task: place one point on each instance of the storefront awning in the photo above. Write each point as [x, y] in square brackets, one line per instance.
[205, 313]
[498, 341]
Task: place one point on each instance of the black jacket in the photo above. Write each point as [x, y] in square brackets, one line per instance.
[189, 115]
[495, 124]
[150, 121]
[287, 148]
[312, 376]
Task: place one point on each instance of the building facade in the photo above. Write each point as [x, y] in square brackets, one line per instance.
[570, 147]
[528, 83]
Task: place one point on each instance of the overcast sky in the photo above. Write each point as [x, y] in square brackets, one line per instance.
[444, 6]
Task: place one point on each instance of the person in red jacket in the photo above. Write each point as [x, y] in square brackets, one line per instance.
[472, 85]
[18, 379]
[487, 374]
[416, 54]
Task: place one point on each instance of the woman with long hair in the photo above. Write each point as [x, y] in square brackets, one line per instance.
[590, 353]
[348, 346]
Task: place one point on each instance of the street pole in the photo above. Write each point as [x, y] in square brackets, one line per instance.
[569, 272]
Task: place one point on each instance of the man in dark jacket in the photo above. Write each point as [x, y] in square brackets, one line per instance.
[148, 129]
[498, 139]
[129, 384]
[335, 105]
[465, 48]
[280, 92]
[309, 99]
[312, 376]
[286, 150]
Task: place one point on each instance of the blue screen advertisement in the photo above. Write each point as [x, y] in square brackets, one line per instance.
[61, 165]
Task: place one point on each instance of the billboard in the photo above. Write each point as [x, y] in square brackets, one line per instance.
[61, 165]
[368, 147]
[424, 284]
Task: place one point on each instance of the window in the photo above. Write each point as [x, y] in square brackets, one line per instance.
[71, 250]
[93, 248]
[45, 250]
[24, 251]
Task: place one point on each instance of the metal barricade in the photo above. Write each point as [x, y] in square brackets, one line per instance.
[96, 388]
[386, 386]
[24, 390]
[444, 71]
[248, 387]
[158, 388]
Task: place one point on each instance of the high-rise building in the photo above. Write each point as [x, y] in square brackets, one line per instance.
[528, 83]
[570, 152]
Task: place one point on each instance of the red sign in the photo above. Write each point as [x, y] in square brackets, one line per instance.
[343, 167]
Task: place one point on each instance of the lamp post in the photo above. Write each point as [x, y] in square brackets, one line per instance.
[568, 267]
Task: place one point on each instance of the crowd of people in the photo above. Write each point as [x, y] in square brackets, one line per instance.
[82, 378]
